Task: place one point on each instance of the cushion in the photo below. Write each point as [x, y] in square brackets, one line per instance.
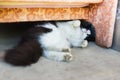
[46, 3]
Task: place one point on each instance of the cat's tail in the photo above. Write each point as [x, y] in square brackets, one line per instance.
[28, 51]
[24, 54]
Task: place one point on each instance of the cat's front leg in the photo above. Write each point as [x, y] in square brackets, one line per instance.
[65, 55]
[66, 50]
[84, 44]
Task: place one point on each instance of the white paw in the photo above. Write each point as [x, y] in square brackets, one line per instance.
[68, 57]
[84, 44]
[76, 23]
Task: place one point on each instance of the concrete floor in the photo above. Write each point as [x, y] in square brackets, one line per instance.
[91, 63]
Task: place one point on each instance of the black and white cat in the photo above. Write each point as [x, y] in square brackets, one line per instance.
[52, 40]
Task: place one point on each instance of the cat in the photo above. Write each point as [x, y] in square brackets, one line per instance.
[52, 39]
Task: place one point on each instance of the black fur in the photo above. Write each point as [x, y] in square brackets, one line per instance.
[28, 50]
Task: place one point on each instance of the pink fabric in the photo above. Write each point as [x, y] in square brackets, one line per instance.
[103, 17]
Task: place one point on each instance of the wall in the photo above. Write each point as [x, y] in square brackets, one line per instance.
[116, 39]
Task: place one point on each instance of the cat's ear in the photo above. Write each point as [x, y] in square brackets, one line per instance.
[75, 23]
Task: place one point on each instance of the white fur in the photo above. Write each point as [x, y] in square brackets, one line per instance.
[58, 56]
[57, 43]
[73, 34]
[84, 44]
[86, 31]
[53, 40]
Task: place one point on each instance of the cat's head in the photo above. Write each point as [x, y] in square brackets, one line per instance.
[86, 27]
[89, 29]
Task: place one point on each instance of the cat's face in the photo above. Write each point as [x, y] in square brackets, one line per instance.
[89, 29]
[73, 32]
[85, 32]
[76, 25]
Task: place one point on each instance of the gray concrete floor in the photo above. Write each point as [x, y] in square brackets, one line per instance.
[90, 63]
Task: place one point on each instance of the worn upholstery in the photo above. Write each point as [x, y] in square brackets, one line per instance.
[40, 14]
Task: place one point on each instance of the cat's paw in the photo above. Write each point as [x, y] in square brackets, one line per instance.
[66, 50]
[68, 57]
[76, 23]
[84, 44]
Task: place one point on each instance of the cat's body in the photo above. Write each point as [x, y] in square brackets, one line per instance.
[51, 39]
